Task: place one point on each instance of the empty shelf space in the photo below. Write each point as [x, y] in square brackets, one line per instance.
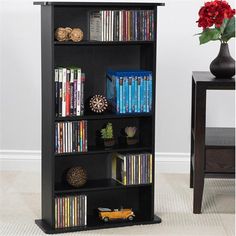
[218, 137]
[222, 137]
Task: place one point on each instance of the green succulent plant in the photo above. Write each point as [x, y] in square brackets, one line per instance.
[107, 132]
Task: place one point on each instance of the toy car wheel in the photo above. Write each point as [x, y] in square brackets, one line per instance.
[105, 219]
[130, 218]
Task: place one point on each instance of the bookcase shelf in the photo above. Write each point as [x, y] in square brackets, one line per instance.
[95, 185]
[103, 116]
[105, 43]
[95, 58]
[97, 150]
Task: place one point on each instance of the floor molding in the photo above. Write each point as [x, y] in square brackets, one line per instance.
[26, 160]
[173, 162]
[20, 160]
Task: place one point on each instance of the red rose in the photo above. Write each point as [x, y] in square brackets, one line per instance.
[214, 13]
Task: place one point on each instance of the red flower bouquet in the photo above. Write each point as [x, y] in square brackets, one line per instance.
[220, 16]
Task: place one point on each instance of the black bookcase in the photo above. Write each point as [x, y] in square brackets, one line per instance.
[94, 58]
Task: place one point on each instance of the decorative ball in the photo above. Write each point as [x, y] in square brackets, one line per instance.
[61, 34]
[76, 176]
[68, 30]
[76, 35]
[98, 103]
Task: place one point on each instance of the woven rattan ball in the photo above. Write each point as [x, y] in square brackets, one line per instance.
[61, 34]
[76, 176]
[68, 30]
[76, 35]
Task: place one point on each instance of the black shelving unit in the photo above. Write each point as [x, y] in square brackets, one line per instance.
[94, 58]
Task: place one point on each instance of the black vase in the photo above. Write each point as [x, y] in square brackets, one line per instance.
[223, 66]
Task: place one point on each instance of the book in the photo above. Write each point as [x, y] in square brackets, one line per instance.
[67, 95]
[129, 169]
[56, 90]
[82, 94]
[124, 95]
[107, 25]
[59, 103]
[69, 91]
[85, 209]
[150, 92]
[144, 93]
[121, 95]
[135, 93]
[121, 25]
[129, 94]
[132, 94]
[139, 94]
[129, 91]
[81, 135]
[70, 211]
[78, 111]
[71, 137]
[75, 92]
[64, 92]
[96, 26]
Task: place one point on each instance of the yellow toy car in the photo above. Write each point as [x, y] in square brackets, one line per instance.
[106, 214]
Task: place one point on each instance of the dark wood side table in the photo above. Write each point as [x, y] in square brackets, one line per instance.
[212, 149]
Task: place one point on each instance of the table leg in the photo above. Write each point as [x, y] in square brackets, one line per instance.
[199, 147]
[191, 133]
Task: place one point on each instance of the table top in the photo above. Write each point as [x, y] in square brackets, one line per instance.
[207, 79]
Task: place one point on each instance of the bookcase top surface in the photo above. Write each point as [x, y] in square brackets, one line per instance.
[105, 3]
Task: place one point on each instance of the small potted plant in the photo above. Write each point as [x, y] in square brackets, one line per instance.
[130, 135]
[107, 135]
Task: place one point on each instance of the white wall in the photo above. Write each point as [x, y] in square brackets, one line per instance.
[20, 75]
[178, 54]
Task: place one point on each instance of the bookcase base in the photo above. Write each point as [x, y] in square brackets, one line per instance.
[49, 230]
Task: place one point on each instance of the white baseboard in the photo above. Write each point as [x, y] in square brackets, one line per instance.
[20, 160]
[25, 160]
[172, 162]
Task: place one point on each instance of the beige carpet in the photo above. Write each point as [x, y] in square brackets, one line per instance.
[20, 205]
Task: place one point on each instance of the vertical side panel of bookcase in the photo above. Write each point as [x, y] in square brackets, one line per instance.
[154, 113]
[47, 114]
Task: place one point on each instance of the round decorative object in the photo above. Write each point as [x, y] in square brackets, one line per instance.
[98, 103]
[61, 34]
[76, 176]
[68, 30]
[223, 66]
[76, 35]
